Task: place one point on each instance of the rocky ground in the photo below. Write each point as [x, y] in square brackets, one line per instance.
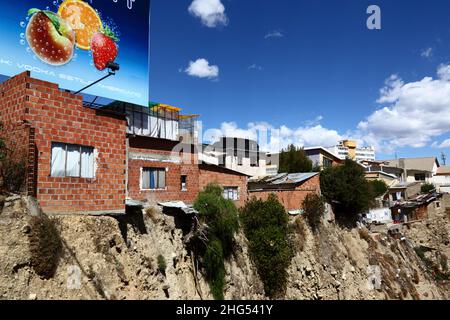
[117, 258]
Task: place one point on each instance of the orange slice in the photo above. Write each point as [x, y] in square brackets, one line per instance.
[83, 19]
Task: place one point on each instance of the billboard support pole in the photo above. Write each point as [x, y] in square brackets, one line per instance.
[112, 68]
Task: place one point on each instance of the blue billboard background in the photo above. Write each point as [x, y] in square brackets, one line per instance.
[128, 18]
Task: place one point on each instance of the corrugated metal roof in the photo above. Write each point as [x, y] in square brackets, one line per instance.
[291, 178]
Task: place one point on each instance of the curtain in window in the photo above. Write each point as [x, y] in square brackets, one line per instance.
[169, 129]
[145, 179]
[58, 160]
[162, 128]
[161, 179]
[154, 126]
[73, 161]
[87, 162]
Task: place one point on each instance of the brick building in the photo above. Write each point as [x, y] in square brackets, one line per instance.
[76, 156]
[234, 183]
[291, 189]
[86, 160]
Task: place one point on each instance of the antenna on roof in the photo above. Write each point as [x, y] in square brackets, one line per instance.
[443, 158]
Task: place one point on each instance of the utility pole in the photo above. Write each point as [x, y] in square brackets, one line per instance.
[443, 158]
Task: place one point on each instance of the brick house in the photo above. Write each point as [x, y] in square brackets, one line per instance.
[163, 158]
[291, 189]
[234, 183]
[81, 159]
[76, 156]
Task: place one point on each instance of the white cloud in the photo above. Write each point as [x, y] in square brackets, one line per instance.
[442, 145]
[414, 114]
[273, 138]
[211, 12]
[427, 53]
[444, 72]
[255, 67]
[274, 34]
[202, 69]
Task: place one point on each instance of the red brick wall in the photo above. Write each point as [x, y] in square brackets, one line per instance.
[57, 116]
[15, 131]
[291, 199]
[211, 174]
[175, 169]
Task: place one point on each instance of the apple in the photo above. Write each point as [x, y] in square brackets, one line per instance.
[50, 37]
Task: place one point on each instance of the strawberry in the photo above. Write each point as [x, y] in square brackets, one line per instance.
[104, 48]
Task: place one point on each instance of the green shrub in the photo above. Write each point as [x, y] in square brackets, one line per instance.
[214, 267]
[427, 188]
[45, 246]
[221, 217]
[13, 174]
[266, 227]
[346, 188]
[377, 188]
[294, 160]
[219, 214]
[313, 208]
[162, 266]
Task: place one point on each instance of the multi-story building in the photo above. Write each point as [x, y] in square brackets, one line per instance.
[320, 157]
[238, 154]
[349, 149]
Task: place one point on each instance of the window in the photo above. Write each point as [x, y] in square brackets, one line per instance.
[247, 148]
[153, 178]
[231, 193]
[419, 176]
[183, 183]
[327, 163]
[438, 204]
[70, 160]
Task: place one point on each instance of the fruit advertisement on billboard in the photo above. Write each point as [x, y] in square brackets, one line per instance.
[73, 43]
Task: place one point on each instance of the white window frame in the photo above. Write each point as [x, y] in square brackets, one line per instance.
[226, 191]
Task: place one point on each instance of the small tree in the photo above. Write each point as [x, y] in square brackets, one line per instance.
[377, 188]
[346, 188]
[266, 227]
[220, 215]
[427, 188]
[313, 207]
[293, 160]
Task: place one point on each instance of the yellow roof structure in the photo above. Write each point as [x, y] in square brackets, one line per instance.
[166, 107]
[189, 116]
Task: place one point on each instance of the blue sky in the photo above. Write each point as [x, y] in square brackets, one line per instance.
[309, 68]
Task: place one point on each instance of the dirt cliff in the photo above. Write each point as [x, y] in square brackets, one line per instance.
[143, 256]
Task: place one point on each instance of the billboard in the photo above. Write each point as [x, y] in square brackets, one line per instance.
[71, 42]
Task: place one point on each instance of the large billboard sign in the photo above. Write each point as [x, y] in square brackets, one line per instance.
[71, 42]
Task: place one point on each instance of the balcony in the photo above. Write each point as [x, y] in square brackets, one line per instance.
[155, 121]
